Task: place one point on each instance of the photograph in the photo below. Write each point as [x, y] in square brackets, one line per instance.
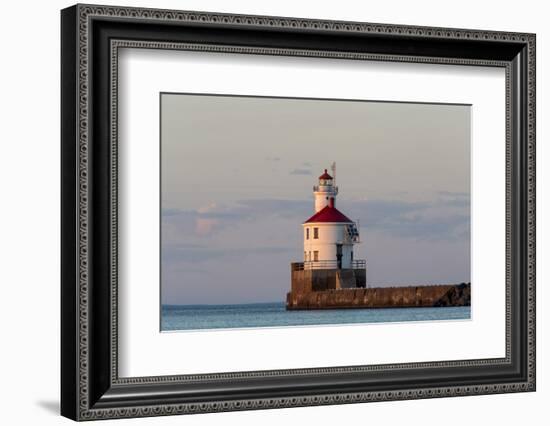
[264, 209]
[280, 212]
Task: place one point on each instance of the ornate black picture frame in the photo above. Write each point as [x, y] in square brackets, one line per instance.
[91, 387]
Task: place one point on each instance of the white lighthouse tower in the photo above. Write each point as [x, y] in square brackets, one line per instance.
[324, 191]
[329, 238]
[329, 235]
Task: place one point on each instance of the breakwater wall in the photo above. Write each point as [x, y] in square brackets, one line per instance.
[381, 297]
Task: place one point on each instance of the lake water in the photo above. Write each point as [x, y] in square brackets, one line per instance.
[201, 317]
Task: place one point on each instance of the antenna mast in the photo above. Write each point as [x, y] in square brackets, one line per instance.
[333, 169]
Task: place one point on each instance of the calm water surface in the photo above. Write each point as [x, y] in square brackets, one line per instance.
[200, 317]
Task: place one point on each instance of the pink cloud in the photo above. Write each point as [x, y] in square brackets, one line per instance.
[205, 226]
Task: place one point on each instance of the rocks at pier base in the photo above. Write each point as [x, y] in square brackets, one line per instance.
[381, 297]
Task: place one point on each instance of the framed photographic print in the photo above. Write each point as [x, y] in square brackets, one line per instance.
[263, 212]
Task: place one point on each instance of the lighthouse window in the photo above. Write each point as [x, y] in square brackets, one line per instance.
[315, 256]
[315, 233]
[307, 233]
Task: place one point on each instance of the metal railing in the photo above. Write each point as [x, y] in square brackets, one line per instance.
[334, 189]
[326, 264]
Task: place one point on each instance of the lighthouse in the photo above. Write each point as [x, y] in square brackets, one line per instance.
[329, 236]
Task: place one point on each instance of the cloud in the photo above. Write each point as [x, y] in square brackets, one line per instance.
[277, 207]
[209, 220]
[301, 172]
[205, 226]
[458, 199]
[208, 208]
[242, 210]
[197, 253]
[170, 212]
[445, 218]
[450, 194]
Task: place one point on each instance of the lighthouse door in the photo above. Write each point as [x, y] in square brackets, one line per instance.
[339, 255]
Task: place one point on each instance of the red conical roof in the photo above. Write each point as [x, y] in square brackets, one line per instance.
[329, 214]
[325, 175]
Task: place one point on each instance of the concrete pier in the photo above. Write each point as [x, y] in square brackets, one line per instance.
[381, 297]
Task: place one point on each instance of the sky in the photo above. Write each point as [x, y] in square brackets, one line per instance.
[236, 185]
